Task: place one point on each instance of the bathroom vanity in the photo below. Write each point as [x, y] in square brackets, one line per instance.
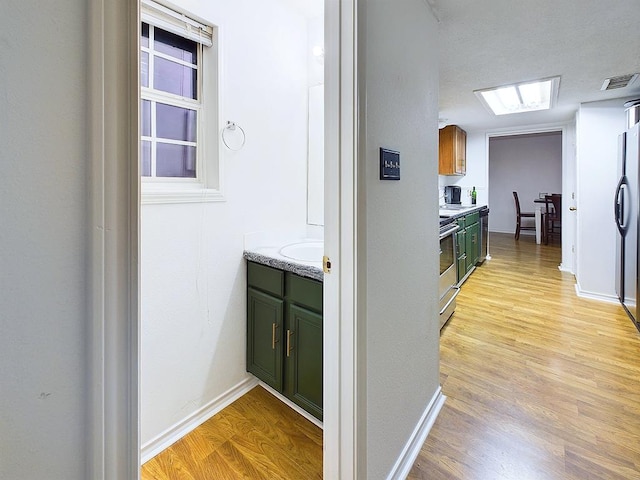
[284, 327]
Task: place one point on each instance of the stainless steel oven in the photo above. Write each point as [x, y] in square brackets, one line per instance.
[448, 271]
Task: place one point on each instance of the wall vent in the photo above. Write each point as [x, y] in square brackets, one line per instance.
[618, 82]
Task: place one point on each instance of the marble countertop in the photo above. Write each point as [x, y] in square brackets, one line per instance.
[271, 257]
[266, 248]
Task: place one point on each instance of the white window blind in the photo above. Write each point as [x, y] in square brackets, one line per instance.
[175, 22]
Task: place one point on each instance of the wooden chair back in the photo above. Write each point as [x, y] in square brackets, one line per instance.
[554, 206]
[515, 197]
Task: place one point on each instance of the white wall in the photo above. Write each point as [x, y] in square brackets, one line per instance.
[598, 127]
[193, 274]
[44, 250]
[315, 38]
[527, 164]
[398, 224]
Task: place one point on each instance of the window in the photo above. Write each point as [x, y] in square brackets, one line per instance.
[178, 158]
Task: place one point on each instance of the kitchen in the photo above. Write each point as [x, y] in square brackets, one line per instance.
[598, 123]
[589, 118]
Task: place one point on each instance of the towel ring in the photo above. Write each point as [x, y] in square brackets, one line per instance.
[231, 127]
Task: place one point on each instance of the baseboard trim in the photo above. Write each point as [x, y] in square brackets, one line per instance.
[595, 296]
[411, 450]
[563, 268]
[290, 404]
[180, 429]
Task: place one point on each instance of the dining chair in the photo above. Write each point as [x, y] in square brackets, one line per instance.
[520, 215]
[553, 216]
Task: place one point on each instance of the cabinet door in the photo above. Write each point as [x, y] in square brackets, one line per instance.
[303, 359]
[461, 239]
[461, 151]
[452, 151]
[265, 316]
[473, 244]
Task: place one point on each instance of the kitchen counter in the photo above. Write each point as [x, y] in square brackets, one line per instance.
[458, 211]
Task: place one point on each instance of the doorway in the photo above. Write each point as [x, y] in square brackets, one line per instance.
[115, 346]
[533, 163]
[207, 239]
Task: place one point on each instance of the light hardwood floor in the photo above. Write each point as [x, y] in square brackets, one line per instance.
[256, 437]
[541, 384]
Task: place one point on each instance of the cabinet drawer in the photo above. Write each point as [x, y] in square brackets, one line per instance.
[266, 279]
[471, 218]
[461, 222]
[304, 291]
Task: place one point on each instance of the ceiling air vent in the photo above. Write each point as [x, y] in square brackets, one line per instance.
[618, 82]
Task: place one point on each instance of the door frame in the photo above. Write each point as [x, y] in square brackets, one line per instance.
[567, 130]
[340, 351]
[113, 291]
[114, 186]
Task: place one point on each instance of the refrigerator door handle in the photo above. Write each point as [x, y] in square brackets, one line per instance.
[619, 206]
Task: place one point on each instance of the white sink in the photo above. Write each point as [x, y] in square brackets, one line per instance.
[304, 251]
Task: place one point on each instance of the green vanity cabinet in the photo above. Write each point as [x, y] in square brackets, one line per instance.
[264, 328]
[284, 334]
[304, 362]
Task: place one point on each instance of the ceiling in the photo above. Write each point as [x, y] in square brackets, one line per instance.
[487, 43]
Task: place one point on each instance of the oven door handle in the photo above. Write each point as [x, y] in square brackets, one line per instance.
[449, 231]
[453, 297]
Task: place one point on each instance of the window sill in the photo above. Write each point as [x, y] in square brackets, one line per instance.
[155, 195]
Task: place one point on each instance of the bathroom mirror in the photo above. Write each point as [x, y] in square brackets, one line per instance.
[315, 157]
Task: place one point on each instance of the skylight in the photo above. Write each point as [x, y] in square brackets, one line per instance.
[520, 97]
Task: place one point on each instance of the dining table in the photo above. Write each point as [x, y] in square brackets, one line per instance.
[540, 202]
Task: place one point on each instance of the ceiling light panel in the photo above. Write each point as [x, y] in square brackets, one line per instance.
[520, 97]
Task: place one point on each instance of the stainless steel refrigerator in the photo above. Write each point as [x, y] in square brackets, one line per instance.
[627, 207]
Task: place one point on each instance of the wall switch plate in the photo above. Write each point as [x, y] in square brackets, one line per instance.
[389, 164]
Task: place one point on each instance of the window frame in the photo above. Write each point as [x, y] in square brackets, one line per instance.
[207, 184]
[156, 96]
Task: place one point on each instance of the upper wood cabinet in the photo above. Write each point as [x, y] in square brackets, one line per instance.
[453, 151]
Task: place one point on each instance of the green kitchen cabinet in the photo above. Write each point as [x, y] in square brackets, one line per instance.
[461, 236]
[473, 244]
[284, 334]
[468, 238]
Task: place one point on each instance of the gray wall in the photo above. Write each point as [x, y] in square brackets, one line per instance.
[398, 224]
[43, 239]
[527, 164]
